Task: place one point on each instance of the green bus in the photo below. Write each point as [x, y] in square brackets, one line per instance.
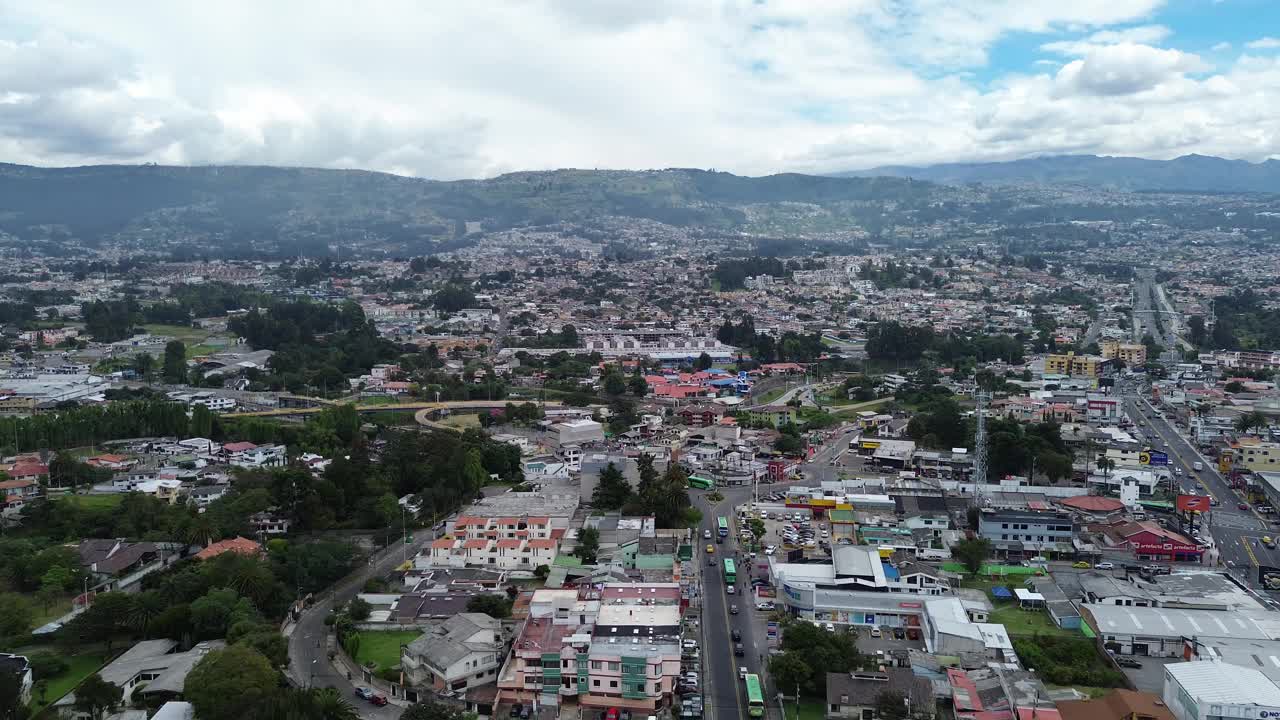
[730, 571]
[755, 697]
[722, 526]
[700, 483]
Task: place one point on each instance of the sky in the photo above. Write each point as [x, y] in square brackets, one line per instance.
[452, 90]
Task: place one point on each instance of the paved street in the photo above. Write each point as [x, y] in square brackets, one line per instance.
[1237, 533]
[308, 650]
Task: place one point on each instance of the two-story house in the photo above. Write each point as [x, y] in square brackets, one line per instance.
[462, 652]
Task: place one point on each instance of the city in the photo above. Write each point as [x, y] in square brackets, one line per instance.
[899, 360]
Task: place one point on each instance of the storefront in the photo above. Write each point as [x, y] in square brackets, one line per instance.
[1167, 551]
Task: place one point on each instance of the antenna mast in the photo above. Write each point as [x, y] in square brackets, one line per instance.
[980, 445]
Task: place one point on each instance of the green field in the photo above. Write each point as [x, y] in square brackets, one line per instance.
[1026, 622]
[79, 668]
[769, 395]
[93, 502]
[809, 709]
[188, 335]
[463, 421]
[382, 647]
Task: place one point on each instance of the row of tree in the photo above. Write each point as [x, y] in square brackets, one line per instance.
[664, 496]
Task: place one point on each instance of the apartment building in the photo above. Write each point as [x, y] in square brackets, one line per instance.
[614, 647]
[1013, 534]
[1074, 365]
[1130, 354]
[1256, 455]
[502, 543]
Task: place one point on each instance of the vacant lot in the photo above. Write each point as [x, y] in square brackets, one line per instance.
[382, 648]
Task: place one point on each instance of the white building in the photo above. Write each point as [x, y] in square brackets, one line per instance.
[464, 651]
[579, 432]
[1208, 690]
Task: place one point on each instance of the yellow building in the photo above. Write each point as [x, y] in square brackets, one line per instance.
[1130, 353]
[1075, 365]
[1256, 455]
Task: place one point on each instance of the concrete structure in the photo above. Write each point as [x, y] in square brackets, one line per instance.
[579, 432]
[1217, 691]
[1016, 535]
[1131, 354]
[1074, 365]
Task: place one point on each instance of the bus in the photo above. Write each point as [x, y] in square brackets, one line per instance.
[755, 696]
[700, 483]
[722, 526]
[730, 572]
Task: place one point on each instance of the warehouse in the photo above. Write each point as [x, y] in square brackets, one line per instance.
[1161, 632]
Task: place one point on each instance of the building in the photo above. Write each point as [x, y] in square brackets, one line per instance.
[1218, 691]
[853, 696]
[500, 543]
[1131, 354]
[19, 667]
[1161, 632]
[460, 653]
[152, 668]
[774, 416]
[243, 546]
[120, 565]
[1017, 535]
[579, 432]
[1120, 704]
[1257, 456]
[1074, 365]
[1101, 408]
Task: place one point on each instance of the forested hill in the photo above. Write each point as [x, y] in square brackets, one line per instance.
[1194, 173]
[300, 209]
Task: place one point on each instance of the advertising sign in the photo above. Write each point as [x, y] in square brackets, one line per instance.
[1153, 457]
[1193, 503]
[1165, 548]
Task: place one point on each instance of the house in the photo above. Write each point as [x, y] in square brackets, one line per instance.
[14, 494]
[111, 462]
[17, 666]
[1014, 534]
[460, 653]
[120, 565]
[243, 546]
[774, 416]
[205, 495]
[1120, 704]
[853, 695]
[269, 523]
[29, 469]
[255, 456]
[578, 432]
[701, 415]
[153, 668]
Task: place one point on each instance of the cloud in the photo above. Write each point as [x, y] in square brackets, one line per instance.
[1266, 43]
[469, 90]
[1221, 47]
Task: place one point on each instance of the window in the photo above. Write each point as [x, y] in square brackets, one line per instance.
[613, 683]
[615, 666]
[597, 665]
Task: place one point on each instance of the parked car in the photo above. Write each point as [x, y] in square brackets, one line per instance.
[378, 700]
[766, 606]
[875, 632]
[1127, 662]
[899, 634]
[364, 693]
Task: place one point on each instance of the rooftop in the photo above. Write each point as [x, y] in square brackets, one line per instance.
[1216, 682]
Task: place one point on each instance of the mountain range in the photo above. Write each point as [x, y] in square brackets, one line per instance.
[1189, 173]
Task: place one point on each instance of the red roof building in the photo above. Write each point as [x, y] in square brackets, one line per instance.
[243, 546]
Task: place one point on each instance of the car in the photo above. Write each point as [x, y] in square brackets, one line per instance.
[738, 650]
[829, 627]
[733, 609]
[706, 534]
[730, 589]
[1243, 506]
[736, 635]
[1214, 502]
[765, 606]
[742, 672]
[515, 710]
[711, 561]
[378, 700]
[1127, 662]
[612, 713]
[1080, 565]
[364, 693]
[875, 632]
[719, 540]
[770, 550]
[899, 634]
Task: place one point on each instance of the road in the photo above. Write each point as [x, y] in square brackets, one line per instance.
[723, 693]
[308, 642]
[1145, 315]
[1237, 533]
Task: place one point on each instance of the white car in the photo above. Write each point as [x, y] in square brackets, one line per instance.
[770, 550]
[706, 534]
[764, 606]
[829, 627]
[1104, 566]
[875, 632]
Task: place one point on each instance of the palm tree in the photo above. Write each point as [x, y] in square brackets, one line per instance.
[146, 608]
[1106, 465]
[199, 530]
[1250, 421]
[329, 704]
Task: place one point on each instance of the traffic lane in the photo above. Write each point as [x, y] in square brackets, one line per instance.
[719, 682]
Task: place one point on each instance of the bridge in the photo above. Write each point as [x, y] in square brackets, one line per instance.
[422, 411]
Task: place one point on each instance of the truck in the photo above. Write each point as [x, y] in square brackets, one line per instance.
[1197, 466]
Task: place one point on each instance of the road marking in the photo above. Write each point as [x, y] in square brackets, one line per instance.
[1248, 549]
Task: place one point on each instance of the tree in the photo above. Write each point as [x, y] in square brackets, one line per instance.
[667, 498]
[52, 584]
[612, 490]
[495, 606]
[648, 475]
[201, 422]
[229, 684]
[972, 552]
[614, 383]
[1250, 421]
[175, 362]
[11, 707]
[359, 609]
[16, 614]
[703, 362]
[1234, 386]
[1105, 466]
[588, 546]
[974, 516]
[430, 710]
[1055, 466]
[96, 697]
[144, 364]
[891, 705]
[790, 671]
[638, 386]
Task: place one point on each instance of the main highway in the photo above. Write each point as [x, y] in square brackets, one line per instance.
[1237, 531]
[723, 692]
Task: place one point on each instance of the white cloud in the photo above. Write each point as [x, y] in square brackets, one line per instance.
[1266, 43]
[466, 90]
[1221, 47]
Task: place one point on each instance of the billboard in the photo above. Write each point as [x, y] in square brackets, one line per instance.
[1153, 457]
[1165, 548]
[1196, 503]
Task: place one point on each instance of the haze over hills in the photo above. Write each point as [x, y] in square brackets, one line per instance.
[1199, 173]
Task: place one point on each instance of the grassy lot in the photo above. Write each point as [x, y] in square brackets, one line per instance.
[860, 406]
[809, 709]
[188, 335]
[1026, 622]
[79, 668]
[462, 422]
[770, 395]
[94, 502]
[59, 608]
[383, 647]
